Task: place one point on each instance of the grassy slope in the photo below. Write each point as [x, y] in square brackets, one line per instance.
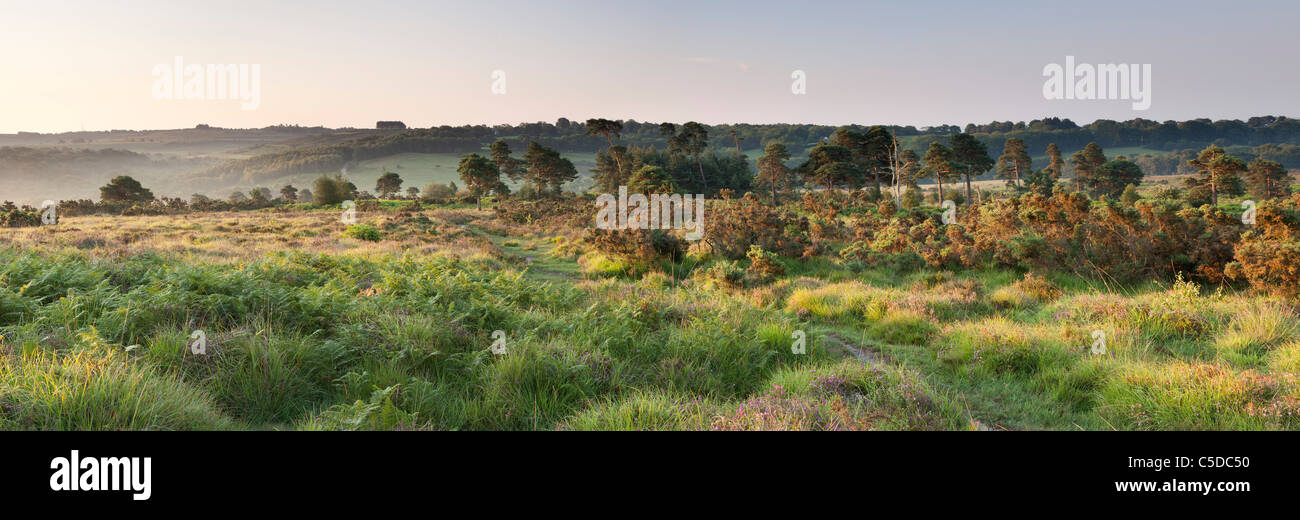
[310, 329]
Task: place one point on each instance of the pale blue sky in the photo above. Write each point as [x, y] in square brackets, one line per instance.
[74, 63]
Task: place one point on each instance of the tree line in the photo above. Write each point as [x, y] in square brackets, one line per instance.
[1167, 135]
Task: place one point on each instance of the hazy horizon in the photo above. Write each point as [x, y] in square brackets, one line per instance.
[344, 65]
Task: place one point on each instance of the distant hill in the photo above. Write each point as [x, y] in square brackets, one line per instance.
[209, 160]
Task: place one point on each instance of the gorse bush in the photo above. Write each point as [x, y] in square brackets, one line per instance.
[1268, 256]
[763, 266]
[365, 232]
[637, 245]
[26, 216]
[1058, 233]
[563, 211]
[732, 226]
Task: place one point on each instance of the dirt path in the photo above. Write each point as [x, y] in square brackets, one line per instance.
[529, 259]
[878, 359]
[528, 263]
[866, 355]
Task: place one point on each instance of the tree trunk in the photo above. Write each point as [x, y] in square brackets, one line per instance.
[703, 183]
[970, 199]
[939, 177]
[618, 161]
[480, 203]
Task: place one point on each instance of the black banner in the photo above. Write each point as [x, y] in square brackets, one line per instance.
[239, 470]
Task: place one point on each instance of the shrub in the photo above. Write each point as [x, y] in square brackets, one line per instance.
[1168, 194]
[599, 265]
[911, 198]
[763, 266]
[655, 280]
[726, 274]
[733, 226]
[636, 245]
[437, 193]
[1268, 256]
[365, 232]
[1130, 195]
[25, 217]
[566, 211]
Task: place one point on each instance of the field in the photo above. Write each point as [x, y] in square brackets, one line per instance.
[445, 317]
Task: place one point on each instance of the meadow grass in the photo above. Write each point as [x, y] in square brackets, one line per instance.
[311, 326]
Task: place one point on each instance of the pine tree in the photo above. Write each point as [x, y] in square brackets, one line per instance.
[971, 158]
[1267, 179]
[772, 171]
[1014, 161]
[938, 163]
[1217, 171]
[1086, 162]
[1110, 178]
[545, 166]
[1055, 164]
[125, 189]
[388, 184]
[610, 130]
[479, 174]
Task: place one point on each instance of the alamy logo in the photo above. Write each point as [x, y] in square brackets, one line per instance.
[49, 214]
[349, 216]
[1098, 342]
[949, 212]
[200, 345]
[800, 345]
[1105, 81]
[499, 342]
[658, 211]
[799, 86]
[498, 82]
[102, 474]
[1248, 216]
[240, 82]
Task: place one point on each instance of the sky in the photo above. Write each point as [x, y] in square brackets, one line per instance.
[69, 65]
